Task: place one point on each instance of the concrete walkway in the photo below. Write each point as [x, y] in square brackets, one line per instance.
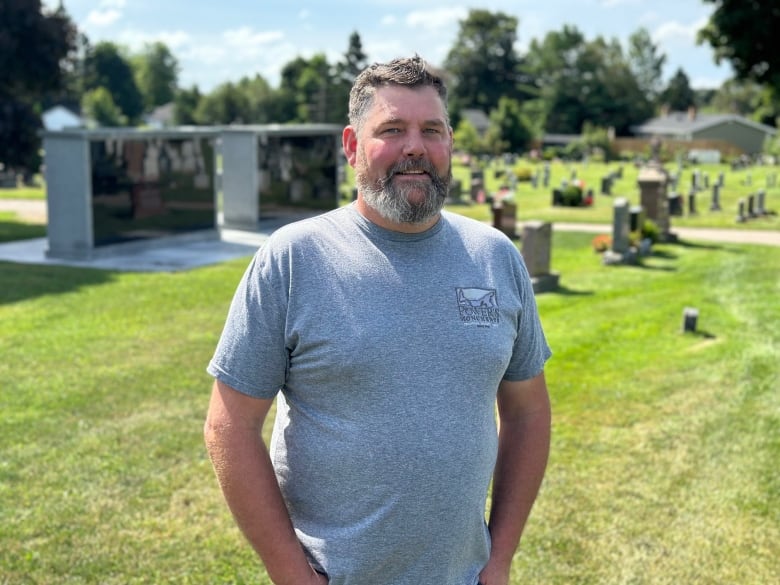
[178, 255]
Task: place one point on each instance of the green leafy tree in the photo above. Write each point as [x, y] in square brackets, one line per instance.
[646, 63]
[156, 75]
[678, 95]
[483, 62]
[585, 81]
[106, 66]
[227, 104]
[508, 123]
[744, 33]
[466, 138]
[99, 107]
[185, 106]
[35, 47]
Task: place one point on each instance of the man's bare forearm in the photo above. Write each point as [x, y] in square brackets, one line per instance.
[246, 476]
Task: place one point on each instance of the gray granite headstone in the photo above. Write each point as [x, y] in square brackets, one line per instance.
[536, 250]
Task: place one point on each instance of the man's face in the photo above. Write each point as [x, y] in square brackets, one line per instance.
[403, 156]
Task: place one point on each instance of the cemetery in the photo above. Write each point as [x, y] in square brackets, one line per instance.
[658, 360]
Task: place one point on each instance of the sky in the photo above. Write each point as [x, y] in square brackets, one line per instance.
[224, 40]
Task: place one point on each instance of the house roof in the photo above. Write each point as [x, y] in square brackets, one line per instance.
[685, 124]
[59, 117]
[478, 119]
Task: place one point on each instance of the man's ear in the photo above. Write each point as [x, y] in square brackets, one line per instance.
[349, 144]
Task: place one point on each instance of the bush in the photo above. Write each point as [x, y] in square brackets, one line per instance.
[571, 196]
[523, 173]
[651, 230]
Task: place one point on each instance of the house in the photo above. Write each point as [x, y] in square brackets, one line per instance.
[59, 117]
[161, 116]
[477, 118]
[745, 134]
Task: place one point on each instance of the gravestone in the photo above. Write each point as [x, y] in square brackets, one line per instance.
[741, 211]
[477, 183]
[675, 204]
[606, 185]
[455, 191]
[536, 250]
[751, 205]
[760, 203]
[620, 252]
[692, 203]
[715, 205]
[637, 218]
[546, 176]
[653, 198]
[505, 217]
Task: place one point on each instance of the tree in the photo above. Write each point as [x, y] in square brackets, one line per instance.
[185, 106]
[483, 63]
[99, 106]
[645, 62]
[508, 124]
[585, 81]
[678, 94]
[225, 105]
[106, 66]
[35, 46]
[744, 32]
[344, 73]
[156, 75]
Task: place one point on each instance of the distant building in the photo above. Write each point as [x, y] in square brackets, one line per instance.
[60, 118]
[161, 116]
[478, 119]
[745, 134]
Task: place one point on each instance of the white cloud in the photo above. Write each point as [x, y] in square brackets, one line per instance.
[388, 20]
[436, 19]
[107, 13]
[100, 18]
[136, 39]
[674, 32]
[613, 3]
[249, 42]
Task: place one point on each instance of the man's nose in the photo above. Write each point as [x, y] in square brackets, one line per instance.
[414, 145]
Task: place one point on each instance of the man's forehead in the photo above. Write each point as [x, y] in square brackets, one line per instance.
[395, 103]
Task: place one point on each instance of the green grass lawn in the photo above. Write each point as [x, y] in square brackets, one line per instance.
[664, 464]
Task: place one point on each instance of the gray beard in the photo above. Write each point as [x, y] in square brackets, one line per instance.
[392, 202]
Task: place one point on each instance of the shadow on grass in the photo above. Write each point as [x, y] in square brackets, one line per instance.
[700, 333]
[570, 292]
[11, 231]
[697, 245]
[26, 281]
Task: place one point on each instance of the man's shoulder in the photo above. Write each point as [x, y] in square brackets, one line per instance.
[315, 226]
[472, 228]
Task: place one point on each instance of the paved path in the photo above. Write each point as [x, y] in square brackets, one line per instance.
[733, 236]
[232, 244]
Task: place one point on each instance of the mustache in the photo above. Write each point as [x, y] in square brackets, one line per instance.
[409, 165]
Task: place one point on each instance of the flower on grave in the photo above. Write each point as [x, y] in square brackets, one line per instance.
[601, 243]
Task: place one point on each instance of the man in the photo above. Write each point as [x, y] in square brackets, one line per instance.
[388, 330]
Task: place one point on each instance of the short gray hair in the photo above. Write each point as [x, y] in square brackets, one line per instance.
[412, 72]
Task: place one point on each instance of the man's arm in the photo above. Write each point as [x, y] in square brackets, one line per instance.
[246, 476]
[523, 448]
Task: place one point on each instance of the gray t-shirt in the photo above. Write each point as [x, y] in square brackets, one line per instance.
[386, 350]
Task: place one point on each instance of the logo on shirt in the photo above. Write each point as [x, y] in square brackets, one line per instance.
[477, 306]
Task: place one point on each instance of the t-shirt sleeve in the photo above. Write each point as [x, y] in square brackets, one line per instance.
[251, 354]
[531, 350]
